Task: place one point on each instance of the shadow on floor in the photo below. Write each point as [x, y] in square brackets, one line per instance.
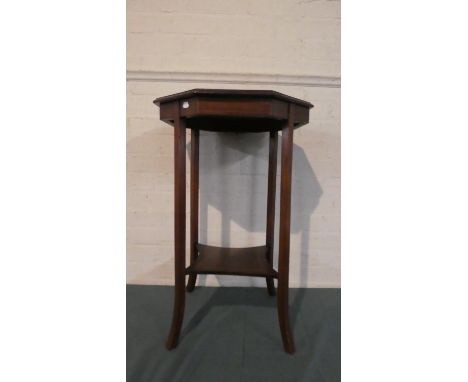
[232, 334]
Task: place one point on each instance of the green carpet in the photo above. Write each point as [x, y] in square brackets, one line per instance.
[232, 334]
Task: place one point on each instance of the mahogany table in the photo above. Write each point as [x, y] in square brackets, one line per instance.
[241, 111]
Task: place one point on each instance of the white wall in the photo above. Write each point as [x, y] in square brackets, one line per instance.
[289, 46]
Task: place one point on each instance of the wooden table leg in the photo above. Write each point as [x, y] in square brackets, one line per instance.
[194, 190]
[270, 225]
[179, 232]
[284, 232]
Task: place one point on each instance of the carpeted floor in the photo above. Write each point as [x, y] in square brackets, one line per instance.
[232, 334]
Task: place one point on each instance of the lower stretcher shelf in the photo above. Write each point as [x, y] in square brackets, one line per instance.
[250, 261]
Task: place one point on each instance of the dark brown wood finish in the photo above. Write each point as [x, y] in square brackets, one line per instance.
[179, 233]
[284, 232]
[232, 261]
[238, 111]
[270, 225]
[253, 110]
[231, 93]
[194, 196]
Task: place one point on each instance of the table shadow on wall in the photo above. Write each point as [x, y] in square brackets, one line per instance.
[233, 186]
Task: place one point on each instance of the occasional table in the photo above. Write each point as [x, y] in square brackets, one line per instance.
[240, 111]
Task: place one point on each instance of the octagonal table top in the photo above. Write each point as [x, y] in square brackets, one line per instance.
[233, 110]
